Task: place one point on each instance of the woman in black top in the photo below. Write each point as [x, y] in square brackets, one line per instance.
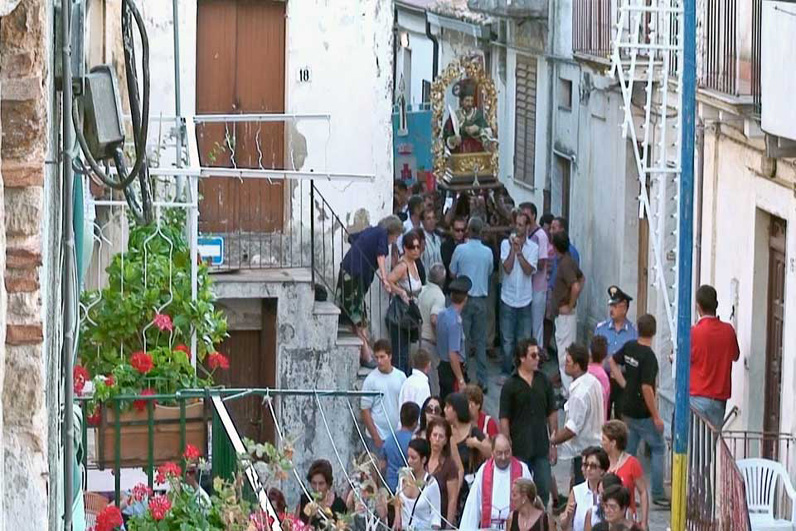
[528, 513]
[320, 479]
[473, 446]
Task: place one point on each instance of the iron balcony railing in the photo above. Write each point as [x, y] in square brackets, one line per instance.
[727, 66]
[716, 495]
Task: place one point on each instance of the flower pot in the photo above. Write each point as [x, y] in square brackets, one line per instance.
[134, 435]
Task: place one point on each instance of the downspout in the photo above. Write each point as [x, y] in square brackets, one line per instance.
[700, 177]
[435, 53]
[551, 115]
[394, 54]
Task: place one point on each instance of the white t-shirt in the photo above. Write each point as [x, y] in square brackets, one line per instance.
[415, 389]
[517, 288]
[427, 511]
[385, 409]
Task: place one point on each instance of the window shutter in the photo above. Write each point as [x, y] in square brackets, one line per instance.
[525, 120]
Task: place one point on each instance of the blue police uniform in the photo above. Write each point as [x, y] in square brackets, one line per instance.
[615, 338]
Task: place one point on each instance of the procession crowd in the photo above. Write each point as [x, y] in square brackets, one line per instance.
[504, 283]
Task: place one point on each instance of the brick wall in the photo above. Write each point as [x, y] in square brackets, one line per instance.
[24, 103]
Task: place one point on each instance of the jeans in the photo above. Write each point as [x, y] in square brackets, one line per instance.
[711, 409]
[542, 476]
[566, 333]
[538, 308]
[474, 324]
[638, 429]
[399, 340]
[514, 326]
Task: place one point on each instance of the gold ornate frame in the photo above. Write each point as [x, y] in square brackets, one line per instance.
[462, 67]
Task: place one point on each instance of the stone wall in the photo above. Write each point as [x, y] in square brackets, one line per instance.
[24, 115]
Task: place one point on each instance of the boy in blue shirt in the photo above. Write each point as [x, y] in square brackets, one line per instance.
[394, 453]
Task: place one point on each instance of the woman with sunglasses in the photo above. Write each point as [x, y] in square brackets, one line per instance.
[585, 496]
[405, 282]
[446, 467]
[432, 407]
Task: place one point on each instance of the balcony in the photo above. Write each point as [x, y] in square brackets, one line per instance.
[776, 62]
[729, 38]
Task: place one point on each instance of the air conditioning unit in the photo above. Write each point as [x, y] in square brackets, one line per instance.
[777, 67]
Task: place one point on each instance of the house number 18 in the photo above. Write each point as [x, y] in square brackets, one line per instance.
[304, 75]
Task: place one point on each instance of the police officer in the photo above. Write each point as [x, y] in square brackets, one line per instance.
[617, 330]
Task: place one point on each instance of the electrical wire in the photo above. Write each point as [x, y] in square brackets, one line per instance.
[140, 117]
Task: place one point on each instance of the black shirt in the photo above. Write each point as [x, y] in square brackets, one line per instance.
[338, 507]
[527, 408]
[641, 367]
[446, 250]
[470, 458]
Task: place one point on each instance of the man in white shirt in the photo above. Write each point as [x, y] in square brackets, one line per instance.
[489, 501]
[415, 388]
[431, 301]
[539, 305]
[584, 410]
[380, 414]
[519, 256]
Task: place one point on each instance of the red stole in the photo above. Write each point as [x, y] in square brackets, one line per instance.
[487, 482]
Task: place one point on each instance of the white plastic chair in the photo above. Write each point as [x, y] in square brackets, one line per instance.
[761, 477]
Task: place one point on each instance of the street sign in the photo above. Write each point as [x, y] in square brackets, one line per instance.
[212, 248]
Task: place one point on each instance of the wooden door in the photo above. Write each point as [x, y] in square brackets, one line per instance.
[240, 68]
[774, 332]
[252, 364]
[642, 295]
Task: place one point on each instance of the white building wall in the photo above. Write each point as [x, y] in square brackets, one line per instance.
[737, 202]
[422, 53]
[348, 50]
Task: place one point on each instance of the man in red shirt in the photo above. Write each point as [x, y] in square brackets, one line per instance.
[714, 347]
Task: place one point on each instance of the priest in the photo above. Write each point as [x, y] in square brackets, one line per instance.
[489, 501]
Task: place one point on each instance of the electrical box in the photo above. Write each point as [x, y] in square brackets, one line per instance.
[77, 44]
[102, 113]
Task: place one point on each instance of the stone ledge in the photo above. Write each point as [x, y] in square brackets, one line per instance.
[24, 334]
[22, 175]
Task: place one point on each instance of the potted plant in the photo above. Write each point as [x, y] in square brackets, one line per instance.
[134, 338]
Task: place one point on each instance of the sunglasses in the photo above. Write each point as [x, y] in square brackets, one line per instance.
[591, 466]
[433, 409]
[411, 247]
[533, 355]
[457, 230]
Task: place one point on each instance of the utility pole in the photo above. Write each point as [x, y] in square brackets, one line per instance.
[684, 268]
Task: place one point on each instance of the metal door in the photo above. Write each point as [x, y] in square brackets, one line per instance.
[774, 333]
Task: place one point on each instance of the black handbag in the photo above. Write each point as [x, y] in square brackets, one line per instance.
[405, 316]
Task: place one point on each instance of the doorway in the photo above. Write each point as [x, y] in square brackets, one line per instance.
[560, 186]
[775, 322]
[240, 68]
[251, 350]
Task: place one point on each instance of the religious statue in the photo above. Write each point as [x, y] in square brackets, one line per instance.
[465, 138]
[466, 130]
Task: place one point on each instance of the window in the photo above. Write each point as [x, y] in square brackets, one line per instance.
[565, 94]
[525, 120]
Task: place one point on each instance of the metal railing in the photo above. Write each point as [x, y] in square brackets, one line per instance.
[720, 46]
[716, 492]
[592, 28]
[757, 29]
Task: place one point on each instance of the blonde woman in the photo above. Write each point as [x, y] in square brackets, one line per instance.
[528, 513]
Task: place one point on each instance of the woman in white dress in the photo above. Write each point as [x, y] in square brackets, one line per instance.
[418, 491]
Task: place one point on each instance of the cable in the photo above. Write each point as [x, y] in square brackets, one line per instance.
[140, 119]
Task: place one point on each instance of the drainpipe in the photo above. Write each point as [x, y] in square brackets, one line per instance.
[394, 53]
[700, 178]
[435, 54]
[551, 115]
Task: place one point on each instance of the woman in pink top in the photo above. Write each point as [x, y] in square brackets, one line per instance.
[599, 349]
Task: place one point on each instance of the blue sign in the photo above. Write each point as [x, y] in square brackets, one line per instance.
[412, 146]
[212, 248]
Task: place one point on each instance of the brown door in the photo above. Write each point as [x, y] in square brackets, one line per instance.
[774, 332]
[252, 364]
[643, 262]
[240, 68]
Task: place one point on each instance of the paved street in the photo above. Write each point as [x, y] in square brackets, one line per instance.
[659, 518]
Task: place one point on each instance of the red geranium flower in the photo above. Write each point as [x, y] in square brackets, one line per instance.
[80, 376]
[191, 453]
[109, 519]
[110, 381]
[141, 361]
[140, 405]
[166, 471]
[163, 322]
[185, 349]
[141, 492]
[216, 360]
[159, 505]
[261, 520]
[95, 417]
